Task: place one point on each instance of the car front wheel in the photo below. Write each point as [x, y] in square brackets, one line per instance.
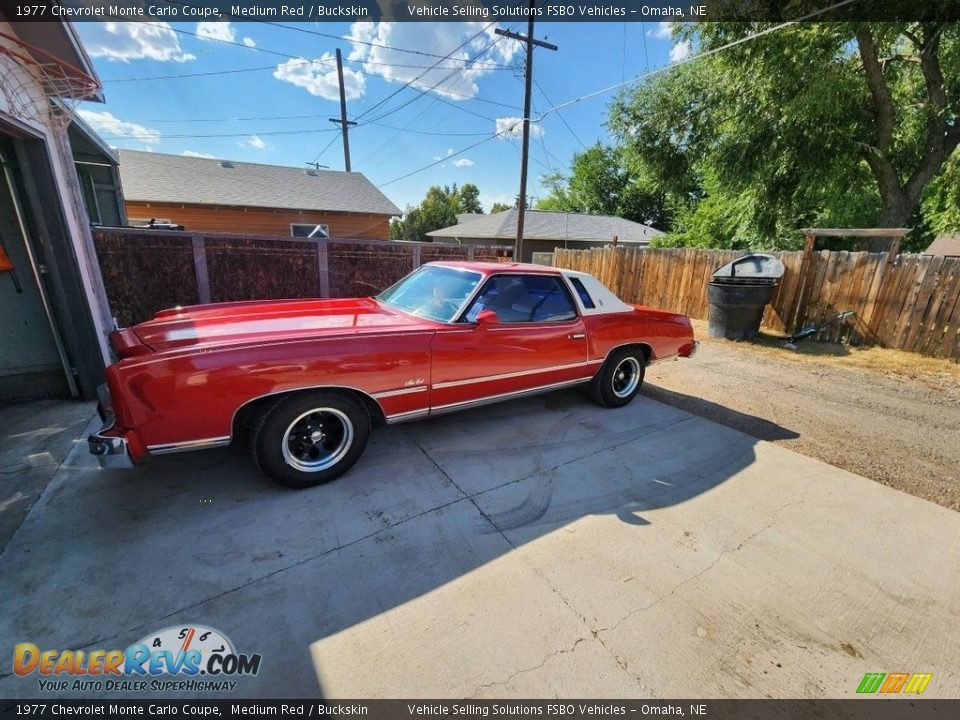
[309, 439]
[619, 379]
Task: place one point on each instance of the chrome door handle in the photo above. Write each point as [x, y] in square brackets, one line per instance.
[576, 336]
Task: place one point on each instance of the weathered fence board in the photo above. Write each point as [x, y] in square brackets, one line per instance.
[148, 270]
[909, 302]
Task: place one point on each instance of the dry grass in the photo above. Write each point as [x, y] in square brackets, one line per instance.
[933, 371]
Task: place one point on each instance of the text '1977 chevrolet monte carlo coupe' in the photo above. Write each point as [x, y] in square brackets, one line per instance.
[309, 378]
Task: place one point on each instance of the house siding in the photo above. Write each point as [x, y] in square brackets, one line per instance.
[260, 221]
[530, 245]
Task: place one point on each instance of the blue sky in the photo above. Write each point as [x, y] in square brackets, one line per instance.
[291, 98]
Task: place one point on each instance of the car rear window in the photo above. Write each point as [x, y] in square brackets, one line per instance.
[582, 292]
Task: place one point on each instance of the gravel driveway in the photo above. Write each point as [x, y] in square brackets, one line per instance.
[899, 430]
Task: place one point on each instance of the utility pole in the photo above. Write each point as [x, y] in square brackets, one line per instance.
[342, 120]
[525, 148]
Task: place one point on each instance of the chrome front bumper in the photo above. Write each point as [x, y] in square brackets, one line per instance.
[110, 451]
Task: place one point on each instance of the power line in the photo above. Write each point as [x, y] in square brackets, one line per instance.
[691, 58]
[428, 132]
[413, 80]
[317, 33]
[299, 61]
[560, 115]
[443, 159]
[424, 91]
[408, 83]
[249, 133]
[643, 34]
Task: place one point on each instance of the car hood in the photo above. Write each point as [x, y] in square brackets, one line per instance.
[271, 321]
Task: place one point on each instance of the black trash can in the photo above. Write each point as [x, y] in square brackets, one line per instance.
[739, 293]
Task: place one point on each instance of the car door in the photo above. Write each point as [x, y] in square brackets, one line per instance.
[538, 340]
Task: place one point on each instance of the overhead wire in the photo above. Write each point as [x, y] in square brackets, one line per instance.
[317, 33]
[413, 80]
[602, 91]
[696, 56]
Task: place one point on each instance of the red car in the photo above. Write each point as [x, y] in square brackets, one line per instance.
[309, 378]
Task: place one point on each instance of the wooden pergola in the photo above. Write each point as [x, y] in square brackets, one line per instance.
[811, 235]
[896, 234]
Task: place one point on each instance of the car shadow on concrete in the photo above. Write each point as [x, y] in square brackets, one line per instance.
[758, 427]
[203, 538]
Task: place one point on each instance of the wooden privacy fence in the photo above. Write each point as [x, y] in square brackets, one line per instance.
[909, 302]
[147, 270]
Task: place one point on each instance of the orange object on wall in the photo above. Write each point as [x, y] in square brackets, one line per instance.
[5, 264]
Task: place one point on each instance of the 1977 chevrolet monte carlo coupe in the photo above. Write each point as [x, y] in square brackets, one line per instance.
[309, 378]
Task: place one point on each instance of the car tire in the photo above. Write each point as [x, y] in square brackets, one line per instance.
[309, 439]
[619, 379]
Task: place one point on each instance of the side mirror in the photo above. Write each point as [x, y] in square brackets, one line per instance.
[487, 317]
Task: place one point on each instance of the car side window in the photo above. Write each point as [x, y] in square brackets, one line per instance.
[524, 298]
[582, 292]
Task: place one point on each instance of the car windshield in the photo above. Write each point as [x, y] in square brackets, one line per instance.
[432, 292]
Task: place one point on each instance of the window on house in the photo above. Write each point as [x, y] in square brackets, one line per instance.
[524, 298]
[582, 292]
[309, 230]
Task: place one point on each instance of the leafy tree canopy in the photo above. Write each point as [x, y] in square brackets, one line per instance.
[818, 124]
[439, 209]
[604, 181]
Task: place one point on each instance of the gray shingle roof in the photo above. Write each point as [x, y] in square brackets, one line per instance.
[544, 225]
[948, 245]
[155, 177]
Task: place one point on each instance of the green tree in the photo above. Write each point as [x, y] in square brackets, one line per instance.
[604, 181]
[499, 207]
[469, 199]
[438, 209]
[842, 124]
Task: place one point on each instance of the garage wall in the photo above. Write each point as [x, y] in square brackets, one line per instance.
[259, 221]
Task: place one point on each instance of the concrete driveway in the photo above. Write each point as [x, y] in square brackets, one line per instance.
[536, 548]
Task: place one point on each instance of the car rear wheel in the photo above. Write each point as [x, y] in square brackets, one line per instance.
[309, 439]
[619, 379]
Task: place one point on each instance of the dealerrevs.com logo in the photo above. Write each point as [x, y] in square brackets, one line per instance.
[193, 658]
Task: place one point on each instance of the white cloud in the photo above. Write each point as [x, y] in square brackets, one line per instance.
[319, 77]
[248, 41]
[463, 162]
[256, 142]
[191, 153]
[106, 123]
[441, 38]
[512, 127]
[681, 51]
[126, 41]
[218, 30]
[663, 30]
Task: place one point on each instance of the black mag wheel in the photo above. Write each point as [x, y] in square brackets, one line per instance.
[619, 379]
[312, 438]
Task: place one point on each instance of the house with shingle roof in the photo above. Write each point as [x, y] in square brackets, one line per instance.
[946, 245]
[208, 194]
[545, 230]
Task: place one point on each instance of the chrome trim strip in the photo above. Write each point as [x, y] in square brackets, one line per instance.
[661, 359]
[188, 445]
[401, 391]
[404, 416]
[504, 396]
[521, 373]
